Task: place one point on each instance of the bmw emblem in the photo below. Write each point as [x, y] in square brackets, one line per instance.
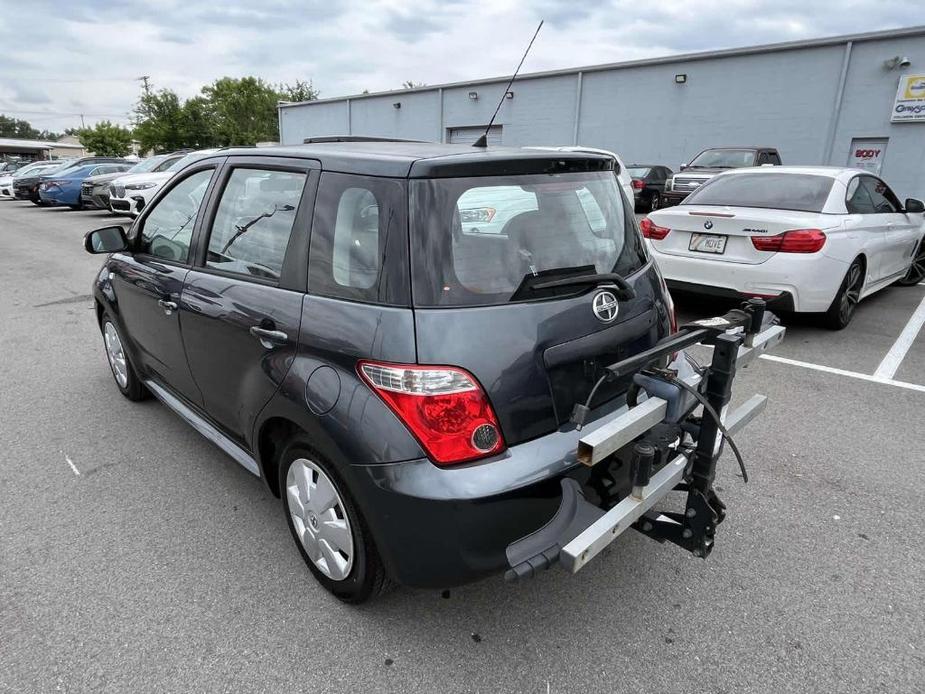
[605, 306]
[708, 224]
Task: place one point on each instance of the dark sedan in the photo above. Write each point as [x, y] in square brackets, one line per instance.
[27, 187]
[648, 184]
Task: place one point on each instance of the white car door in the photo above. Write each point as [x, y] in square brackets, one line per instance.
[901, 232]
[871, 226]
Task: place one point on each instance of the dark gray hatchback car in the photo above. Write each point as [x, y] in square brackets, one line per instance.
[345, 323]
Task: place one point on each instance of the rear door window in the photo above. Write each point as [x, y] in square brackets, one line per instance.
[253, 222]
[359, 243]
[857, 199]
[484, 240]
[770, 190]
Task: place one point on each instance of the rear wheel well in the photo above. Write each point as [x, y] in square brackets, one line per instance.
[273, 436]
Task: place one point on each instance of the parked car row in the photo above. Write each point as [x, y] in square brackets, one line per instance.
[107, 183]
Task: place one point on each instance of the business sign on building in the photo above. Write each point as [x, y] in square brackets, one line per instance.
[909, 105]
[867, 154]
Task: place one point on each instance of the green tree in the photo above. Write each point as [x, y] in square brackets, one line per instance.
[15, 127]
[106, 139]
[300, 90]
[196, 124]
[243, 110]
[159, 121]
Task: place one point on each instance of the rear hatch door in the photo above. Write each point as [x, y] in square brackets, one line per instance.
[535, 352]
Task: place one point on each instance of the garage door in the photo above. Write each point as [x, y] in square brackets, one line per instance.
[468, 135]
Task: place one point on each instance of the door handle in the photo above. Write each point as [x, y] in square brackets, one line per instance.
[168, 305]
[268, 338]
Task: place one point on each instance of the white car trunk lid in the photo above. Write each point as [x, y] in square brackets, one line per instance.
[696, 230]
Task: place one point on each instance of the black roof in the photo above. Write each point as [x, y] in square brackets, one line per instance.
[429, 159]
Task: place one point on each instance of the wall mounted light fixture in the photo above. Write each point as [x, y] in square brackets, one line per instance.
[397, 104]
[896, 61]
[474, 96]
[680, 79]
[509, 95]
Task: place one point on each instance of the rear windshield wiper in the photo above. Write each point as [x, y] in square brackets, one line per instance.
[624, 291]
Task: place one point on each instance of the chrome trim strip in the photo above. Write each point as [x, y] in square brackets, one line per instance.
[239, 455]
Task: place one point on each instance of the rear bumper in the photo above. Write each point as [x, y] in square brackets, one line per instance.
[439, 527]
[793, 281]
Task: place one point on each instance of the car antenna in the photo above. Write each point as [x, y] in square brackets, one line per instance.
[483, 138]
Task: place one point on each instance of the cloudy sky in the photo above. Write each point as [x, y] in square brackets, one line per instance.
[61, 59]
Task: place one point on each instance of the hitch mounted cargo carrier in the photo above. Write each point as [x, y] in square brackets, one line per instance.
[658, 445]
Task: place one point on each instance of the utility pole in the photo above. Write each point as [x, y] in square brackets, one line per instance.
[82, 124]
[144, 82]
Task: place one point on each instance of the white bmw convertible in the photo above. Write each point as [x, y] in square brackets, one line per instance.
[808, 239]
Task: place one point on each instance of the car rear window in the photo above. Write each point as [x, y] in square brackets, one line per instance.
[638, 171]
[781, 191]
[476, 241]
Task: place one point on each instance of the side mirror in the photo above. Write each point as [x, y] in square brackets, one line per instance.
[682, 167]
[105, 240]
[913, 205]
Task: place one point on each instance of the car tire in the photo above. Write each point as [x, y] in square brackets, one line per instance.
[655, 201]
[916, 273]
[846, 298]
[323, 523]
[123, 373]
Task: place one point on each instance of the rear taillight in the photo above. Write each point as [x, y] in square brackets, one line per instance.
[793, 241]
[653, 231]
[443, 406]
[638, 185]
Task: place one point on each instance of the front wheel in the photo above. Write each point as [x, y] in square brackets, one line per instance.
[122, 370]
[846, 299]
[916, 273]
[326, 525]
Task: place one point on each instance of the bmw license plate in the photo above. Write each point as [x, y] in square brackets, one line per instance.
[708, 243]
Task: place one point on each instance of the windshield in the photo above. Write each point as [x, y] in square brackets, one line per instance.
[802, 192]
[725, 158]
[638, 171]
[146, 165]
[476, 241]
[34, 168]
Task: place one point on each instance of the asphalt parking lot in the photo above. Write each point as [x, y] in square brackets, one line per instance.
[135, 556]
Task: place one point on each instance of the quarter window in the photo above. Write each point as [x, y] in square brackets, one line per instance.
[169, 226]
[359, 240]
[858, 199]
[880, 195]
[254, 221]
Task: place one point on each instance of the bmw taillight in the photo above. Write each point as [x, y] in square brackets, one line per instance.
[793, 241]
[444, 407]
[638, 185]
[653, 231]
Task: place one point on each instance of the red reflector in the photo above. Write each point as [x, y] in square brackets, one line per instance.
[793, 241]
[653, 231]
[444, 407]
[638, 185]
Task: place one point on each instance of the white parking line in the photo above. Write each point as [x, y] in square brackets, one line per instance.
[897, 353]
[71, 463]
[843, 372]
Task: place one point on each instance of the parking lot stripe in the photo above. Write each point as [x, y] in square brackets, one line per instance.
[897, 353]
[71, 463]
[843, 372]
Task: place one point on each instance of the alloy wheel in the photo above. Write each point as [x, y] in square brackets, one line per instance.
[116, 354]
[917, 270]
[320, 519]
[852, 293]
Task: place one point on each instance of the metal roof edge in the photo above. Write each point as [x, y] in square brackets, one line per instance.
[918, 30]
